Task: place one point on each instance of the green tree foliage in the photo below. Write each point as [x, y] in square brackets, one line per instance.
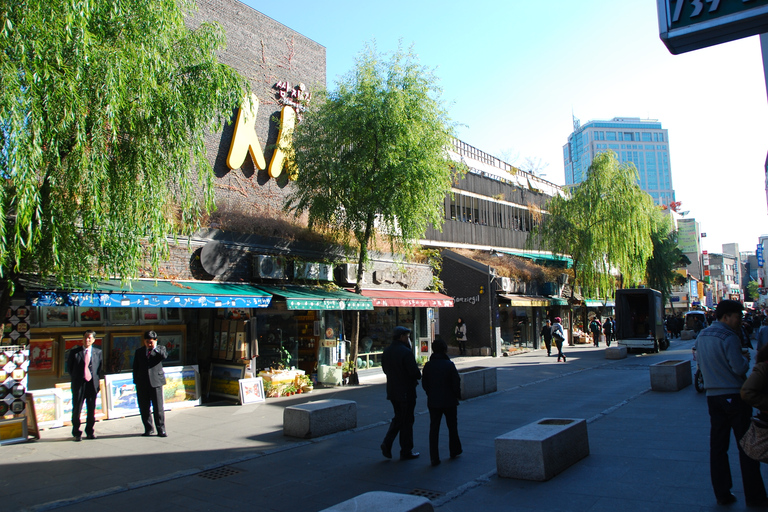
[605, 225]
[371, 156]
[104, 106]
[752, 294]
[660, 271]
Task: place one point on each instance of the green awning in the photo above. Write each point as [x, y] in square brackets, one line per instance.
[590, 303]
[153, 293]
[557, 301]
[542, 258]
[311, 297]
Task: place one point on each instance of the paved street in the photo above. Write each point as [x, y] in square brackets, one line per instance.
[649, 450]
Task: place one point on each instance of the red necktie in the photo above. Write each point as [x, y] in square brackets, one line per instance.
[87, 364]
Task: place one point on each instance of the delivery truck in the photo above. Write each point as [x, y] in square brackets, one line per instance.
[640, 320]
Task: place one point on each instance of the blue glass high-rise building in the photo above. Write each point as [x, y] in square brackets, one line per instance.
[640, 141]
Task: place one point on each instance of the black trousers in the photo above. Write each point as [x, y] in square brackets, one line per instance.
[726, 413]
[146, 396]
[80, 394]
[451, 420]
[401, 424]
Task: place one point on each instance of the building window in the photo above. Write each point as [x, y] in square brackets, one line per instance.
[610, 135]
[628, 136]
[646, 137]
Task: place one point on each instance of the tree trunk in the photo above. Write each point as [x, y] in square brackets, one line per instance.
[355, 334]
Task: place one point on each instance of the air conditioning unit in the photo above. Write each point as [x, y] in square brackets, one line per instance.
[313, 271]
[506, 284]
[269, 267]
[347, 273]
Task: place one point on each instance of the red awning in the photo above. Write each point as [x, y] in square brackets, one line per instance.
[408, 298]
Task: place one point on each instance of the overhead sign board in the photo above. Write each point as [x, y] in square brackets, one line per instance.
[686, 25]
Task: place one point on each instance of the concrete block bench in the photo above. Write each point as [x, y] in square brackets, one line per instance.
[380, 501]
[541, 450]
[477, 381]
[316, 419]
[616, 353]
[671, 375]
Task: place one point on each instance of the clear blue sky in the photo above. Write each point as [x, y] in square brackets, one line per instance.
[513, 72]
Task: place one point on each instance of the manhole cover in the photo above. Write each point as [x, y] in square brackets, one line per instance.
[215, 474]
[430, 495]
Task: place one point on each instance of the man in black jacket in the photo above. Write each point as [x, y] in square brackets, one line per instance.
[149, 378]
[85, 369]
[403, 375]
[442, 383]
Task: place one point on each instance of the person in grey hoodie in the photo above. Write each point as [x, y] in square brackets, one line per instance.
[724, 368]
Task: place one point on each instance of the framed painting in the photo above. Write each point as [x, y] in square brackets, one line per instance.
[182, 387]
[70, 342]
[33, 429]
[251, 390]
[149, 316]
[121, 351]
[13, 431]
[224, 380]
[122, 316]
[56, 315]
[89, 316]
[42, 356]
[174, 346]
[121, 396]
[65, 394]
[48, 407]
[173, 315]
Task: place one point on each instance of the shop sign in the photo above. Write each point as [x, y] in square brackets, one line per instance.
[245, 140]
[686, 25]
[469, 300]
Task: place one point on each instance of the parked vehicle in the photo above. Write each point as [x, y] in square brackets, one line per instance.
[698, 378]
[695, 321]
[640, 320]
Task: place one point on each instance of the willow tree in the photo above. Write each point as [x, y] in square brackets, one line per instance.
[661, 268]
[104, 106]
[371, 157]
[604, 225]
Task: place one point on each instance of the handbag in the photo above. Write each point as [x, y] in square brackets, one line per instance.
[558, 336]
[755, 441]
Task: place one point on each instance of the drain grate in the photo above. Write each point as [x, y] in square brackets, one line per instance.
[222, 472]
[430, 495]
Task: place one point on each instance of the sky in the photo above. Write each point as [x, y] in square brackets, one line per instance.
[514, 74]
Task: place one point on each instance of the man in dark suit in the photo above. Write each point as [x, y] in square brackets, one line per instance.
[403, 375]
[84, 365]
[149, 378]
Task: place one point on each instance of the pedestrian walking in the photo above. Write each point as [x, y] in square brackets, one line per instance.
[403, 375]
[440, 380]
[546, 335]
[608, 330]
[762, 335]
[724, 368]
[595, 328]
[558, 336]
[460, 333]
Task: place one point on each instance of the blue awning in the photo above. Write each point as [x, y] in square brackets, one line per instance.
[155, 293]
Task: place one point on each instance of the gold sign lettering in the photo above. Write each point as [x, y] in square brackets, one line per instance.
[245, 138]
[284, 138]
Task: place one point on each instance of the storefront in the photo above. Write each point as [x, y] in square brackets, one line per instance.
[416, 310]
[520, 319]
[183, 313]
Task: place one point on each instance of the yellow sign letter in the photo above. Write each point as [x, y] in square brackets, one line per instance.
[245, 138]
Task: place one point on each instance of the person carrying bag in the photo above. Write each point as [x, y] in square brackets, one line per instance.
[755, 393]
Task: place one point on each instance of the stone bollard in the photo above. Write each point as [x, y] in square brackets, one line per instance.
[671, 375]
[541, 450]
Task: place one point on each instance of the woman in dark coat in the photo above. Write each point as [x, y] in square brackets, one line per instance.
[546, 335]
[440, 380]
